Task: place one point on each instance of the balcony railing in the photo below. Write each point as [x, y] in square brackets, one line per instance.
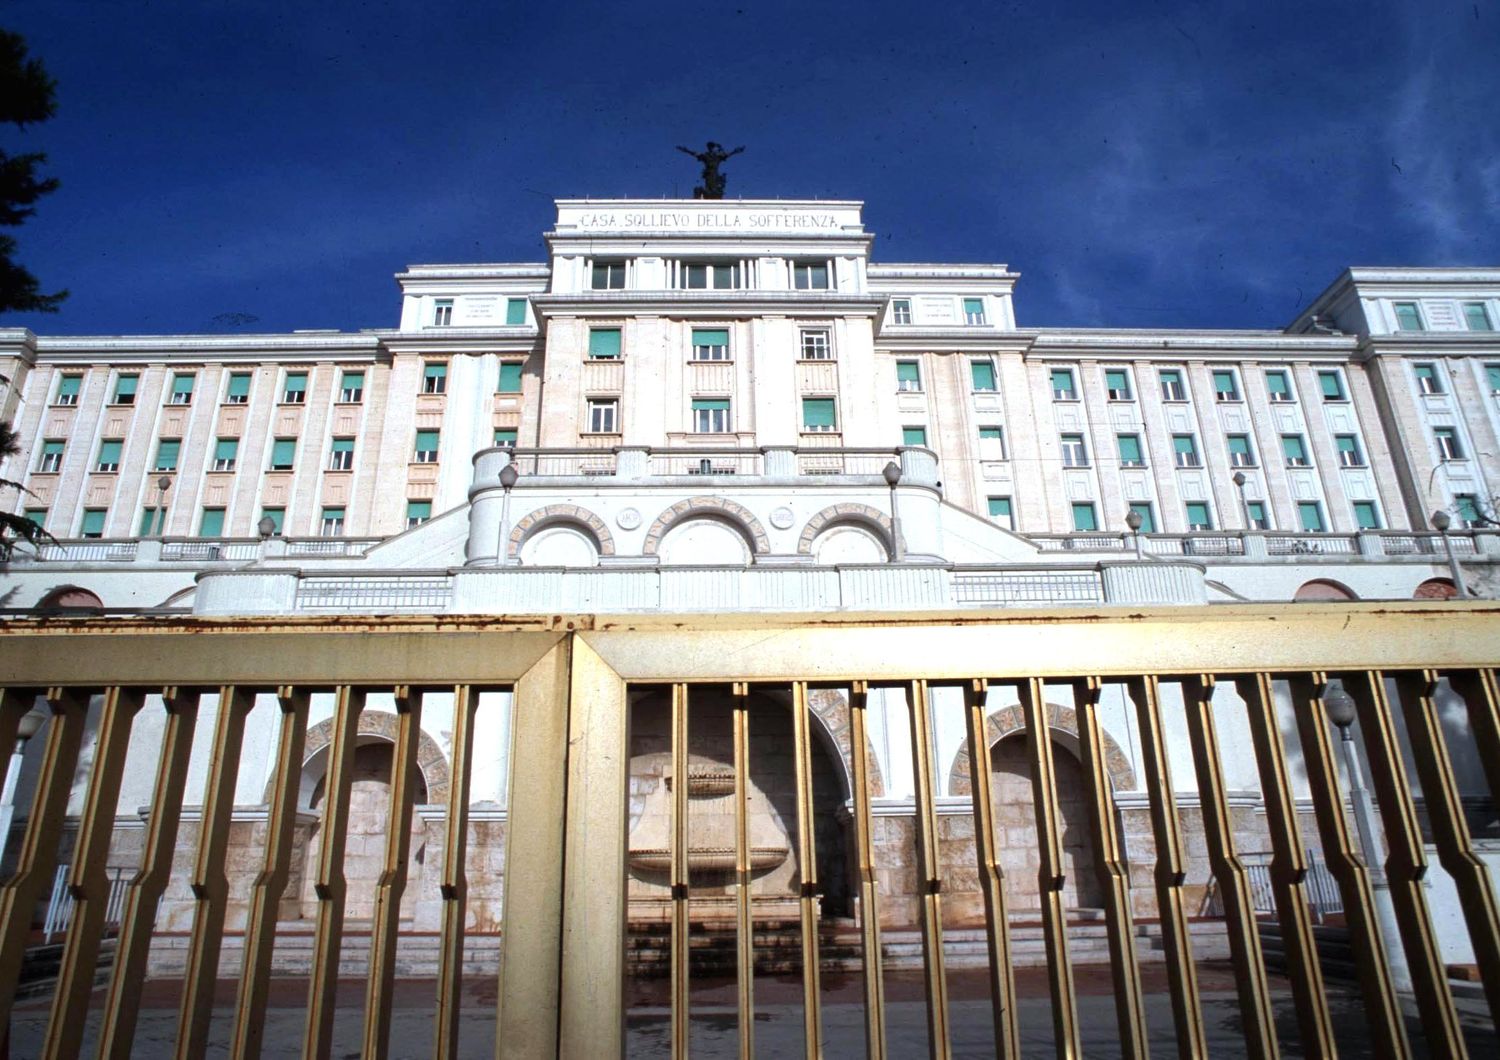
[1257, 544]
[634, 463]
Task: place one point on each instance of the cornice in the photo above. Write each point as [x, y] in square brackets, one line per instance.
[519, 339]
[139, 349]
[905, 338]
[505, 270]
[954, 270]
[1433, 344]
[707, 303]
[1228, 345]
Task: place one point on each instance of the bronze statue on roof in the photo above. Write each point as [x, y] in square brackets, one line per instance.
[712, 157]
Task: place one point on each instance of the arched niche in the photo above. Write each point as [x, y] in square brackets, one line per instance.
[578, 519]
[1436, 589]
[375, 726]
[736, 516]
[1062, 723]
[560, 545]
[704, 541]
[1323, 589]
[70, 598]
[872, 521]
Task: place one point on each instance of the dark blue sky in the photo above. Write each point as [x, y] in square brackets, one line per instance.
[1146, 164]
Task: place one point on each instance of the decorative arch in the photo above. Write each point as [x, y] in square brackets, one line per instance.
[1323, 589]
[1436, 589]
[831, 707]
[1061, 721]
[862, 514]
[70, 598]
[552, 515]
[736, 515]
[382, 725]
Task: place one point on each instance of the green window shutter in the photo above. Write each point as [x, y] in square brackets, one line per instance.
[709, 337]
[913, 435]
[1130, 448]
[239, 385]
[1083, 516]
[515, 311]
[817, 412]
[1366, 517]
[505, 436]
[1492, 373]
[182, 384]
[1407, 317]
[1467, 506]
[418, 512]
[983, 375]
[604, 342]
[38, 516]
[343, 445]
[1115, 379]
[1292, 447]
[1311, 514]
[226, 448]
[296, 382]
[1148, 517]
[277, 517]
[1239, 445]
[69, 386]
[436, 371]
[1062, 381]
[212, 523]
[148, 521]
[710, 404]
[167, 452]
[908, 372]
[991, 434]
[1197, 514]
[52, 448]
[510, 377]
[1277, 385]
[1333, 389]
[1477, 317]
[125, 387]
[93, 522]
[427, 441]
[283, 452]
[973, 307]
[1000, 508]
[352, 381]
[1346, 443]
[1224, 382]
[109, 453]
[1183, 443]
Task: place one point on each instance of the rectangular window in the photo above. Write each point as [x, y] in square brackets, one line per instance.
[435, 377]
[711, 416]
[38, 516]
[238, 391]
[604, 343]
[1131, 454]
[68, 387]
[1225, 386]
[1185, 450]
[125, 387]
[295, 390]
[510, 377]
[352, 388]
[710, 344]
[1349, 452]
[810, 276]
[607, 276]
[815, 345]
[1427, 378]
[1147, 514]
[1256, 511]
[1332, 386]
[992, 443]
[167, 452]
[604, 416]
[277, 517]
[1311, 515]
[707, 276]
[182, 389]
[1074, 454]
[425, 451]
[901, 311]
[1477, 317]
[109, 456]
[52, 457]
[1467, 507]
[93, 522]
[913, 435]
[1197, 516]
[1408, 318]
[332, 524]
[1366, 515]
[973, 310]
[505, 437]
[515, 311]
[226, 453]
[1171, 385]
[283, 454]
[442, 312]
[1294, 449]
[1084, 518]
[1000, 511]
[1117, 384]
[982, 376]
[149, 518]
[417, 513]
[817, 415]
[1492, 376]
[1447, 443]
[1240, 453]
[341, 455]
[211, 523]
[1279, 387]
[1063, 388]
[908, 375]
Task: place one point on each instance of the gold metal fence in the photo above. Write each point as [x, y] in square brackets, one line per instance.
[561, 982]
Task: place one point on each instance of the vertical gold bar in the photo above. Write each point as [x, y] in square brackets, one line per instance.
[1171, 869]
[138, 921]
[453, 888]
[991, 875]
[270, 883]
[744, 934]
[807, 877]
[929, 872]
[869, 883]
[405, 776]
[210, 884]
[1382, 1009]
[1113, 874]
[678, 842]
[1450, 832]
[329, 884]
[38, 855]
[1257, 1022]
[1288, 866]
[88, 882]
[1406, 864]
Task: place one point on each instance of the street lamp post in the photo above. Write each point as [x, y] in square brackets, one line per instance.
[508, 477]
[1134, 521]
[892, 475]
[30, 724]
[1239, 484]
[1440, 522]
[162, 485]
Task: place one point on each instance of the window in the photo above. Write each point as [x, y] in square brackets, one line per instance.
[37, 516]
[167, 452]
[515, 311]
[283, 453]
[1130, 450]
[226, 452]
[341, 455]
[277, 517]
[1349, 453]
[1240, 453]
[149, 518]
[93, 522]
[52, 456]
[901, 311]
[973, 310]
[1407, 317]
[295, 390]
[1117, 384]
[604, 343]
[1280, 388]
[607, 276]
[705, 276]
[1063, 388]
[182, 390]
[442, 312]
[333, 522]
[712, 344]
[1000, 511]
[1332, 386]
[425, 451]
[417, 513]
[913, 435]
[1073, 452]
[982, 376]
[604, 416]
[1171, 385]
[1427, 378]
[505, 437]
[908, 375]
[67, 390]
[1084, 518]
[1185, 451]
[352, 388]
[1477, 317]
[810, 276]
[817, 415]
[1467, 507]
[1366, 515]
[1492, 375]
[1197, 516]
[1311, 515]
[1447, 443]
[1147, 514]
[992, 443]
[711, 415]
[1225, 387]
[1256, 512]
[238, 391]
[1294, 449]
[815, 345]
[435, 377]
[125, 386]
[211, 523]
[109, 456]
[510, 377]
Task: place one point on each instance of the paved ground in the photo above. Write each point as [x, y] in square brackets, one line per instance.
[778, 1025]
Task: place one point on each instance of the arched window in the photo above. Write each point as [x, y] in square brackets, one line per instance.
[1323, 589]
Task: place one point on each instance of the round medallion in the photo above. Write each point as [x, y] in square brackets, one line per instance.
[782, 518]
[628, 519]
